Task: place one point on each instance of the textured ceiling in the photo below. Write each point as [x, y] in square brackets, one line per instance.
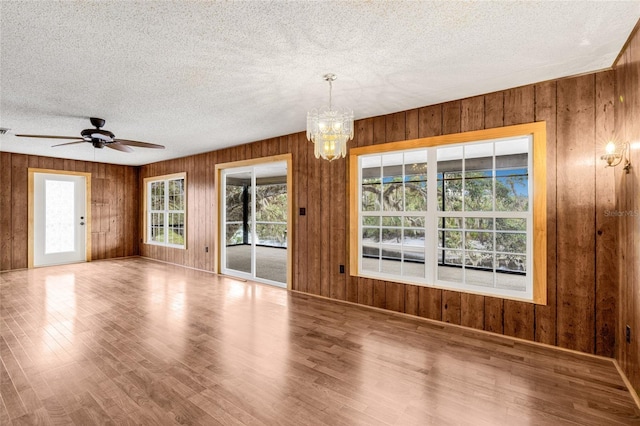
[198, 76]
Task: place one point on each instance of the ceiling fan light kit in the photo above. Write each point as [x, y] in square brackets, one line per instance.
[99, 138]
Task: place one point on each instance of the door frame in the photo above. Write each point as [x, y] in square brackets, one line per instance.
[31, 213]
[217, 267]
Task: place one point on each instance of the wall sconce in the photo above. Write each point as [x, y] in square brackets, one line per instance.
[613, 157]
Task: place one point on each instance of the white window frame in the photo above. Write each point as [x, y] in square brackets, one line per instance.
[535, 289]
[165, 212]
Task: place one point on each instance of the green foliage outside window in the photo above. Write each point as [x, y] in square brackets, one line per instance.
[485, 242]
[271, 206]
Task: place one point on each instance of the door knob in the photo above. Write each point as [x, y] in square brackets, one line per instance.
[81, 223]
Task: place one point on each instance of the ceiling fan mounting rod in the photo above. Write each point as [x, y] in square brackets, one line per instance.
[98, 122]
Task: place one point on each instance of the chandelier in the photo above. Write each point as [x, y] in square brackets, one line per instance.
[330, 129]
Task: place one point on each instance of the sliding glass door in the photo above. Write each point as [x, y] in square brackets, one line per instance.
[254, 219]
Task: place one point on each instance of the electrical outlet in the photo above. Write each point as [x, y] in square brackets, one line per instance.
[628, 333]
[342, 269]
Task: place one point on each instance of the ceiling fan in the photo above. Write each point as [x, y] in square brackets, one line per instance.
[99, 138]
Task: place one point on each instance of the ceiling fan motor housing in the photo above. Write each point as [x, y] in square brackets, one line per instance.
[100, 134]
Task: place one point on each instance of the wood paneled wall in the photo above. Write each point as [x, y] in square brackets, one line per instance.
[201, 203]
[628, 206]
[114, 206]
[583, 239]
[581, 312]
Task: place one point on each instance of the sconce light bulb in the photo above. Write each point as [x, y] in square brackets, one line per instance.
[611, 148]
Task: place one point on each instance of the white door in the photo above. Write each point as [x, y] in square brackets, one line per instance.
[59, 230]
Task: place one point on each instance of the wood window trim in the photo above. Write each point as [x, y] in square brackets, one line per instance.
[145, 209]
[537, 130]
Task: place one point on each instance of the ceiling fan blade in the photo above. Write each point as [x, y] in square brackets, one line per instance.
[68, 143]
[140, 144]
[47, 136]
[118, 146]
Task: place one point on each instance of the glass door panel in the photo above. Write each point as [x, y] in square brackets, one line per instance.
[237, 242]
[271, 222]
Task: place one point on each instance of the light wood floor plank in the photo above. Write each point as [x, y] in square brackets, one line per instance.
[132, 341]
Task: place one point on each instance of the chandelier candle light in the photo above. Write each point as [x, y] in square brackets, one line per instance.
[330, 129]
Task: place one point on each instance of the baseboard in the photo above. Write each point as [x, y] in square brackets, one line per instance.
[72, 263]
[630, 388]
[457, 326]
[626, 381]
[230, 277]
[177, 264]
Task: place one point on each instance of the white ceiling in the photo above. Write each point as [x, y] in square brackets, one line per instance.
[199, 76]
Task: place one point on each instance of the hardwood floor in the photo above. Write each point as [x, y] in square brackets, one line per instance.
[132, 341]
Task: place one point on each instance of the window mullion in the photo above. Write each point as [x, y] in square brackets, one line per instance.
[463, 261]
[493, 188]
[381, 211]
[360, 226]
[149, 215]
[431, 233]
[402, 222]
[166, 212]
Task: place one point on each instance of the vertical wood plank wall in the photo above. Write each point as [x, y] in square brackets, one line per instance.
[582, 289]
[114, 206]
[627, 125]
[582, 312]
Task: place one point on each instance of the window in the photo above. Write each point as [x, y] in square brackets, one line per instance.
[464, 212]
[165, 206]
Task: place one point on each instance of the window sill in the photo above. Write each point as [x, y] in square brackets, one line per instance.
[175, 246]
